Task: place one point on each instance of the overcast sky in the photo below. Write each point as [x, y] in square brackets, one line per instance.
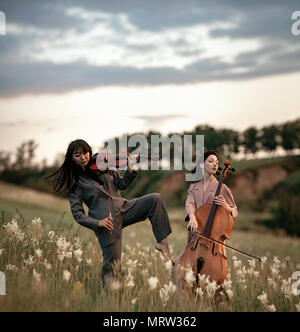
[95, 69]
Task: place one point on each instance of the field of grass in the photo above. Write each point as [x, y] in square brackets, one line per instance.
[60, 270]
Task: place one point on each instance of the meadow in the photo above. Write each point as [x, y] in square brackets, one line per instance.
[53, 264]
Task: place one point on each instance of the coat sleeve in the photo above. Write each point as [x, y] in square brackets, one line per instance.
[189, 204]
[122, 182]
[230, 201]
[79, 213]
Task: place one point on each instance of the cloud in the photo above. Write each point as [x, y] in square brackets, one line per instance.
[154, 121]
[61, 47]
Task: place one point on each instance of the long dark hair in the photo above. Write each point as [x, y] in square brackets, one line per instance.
[66, 177]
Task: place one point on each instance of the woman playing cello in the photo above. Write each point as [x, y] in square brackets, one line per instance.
[202, 192]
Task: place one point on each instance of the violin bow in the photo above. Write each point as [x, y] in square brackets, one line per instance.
[227, 246]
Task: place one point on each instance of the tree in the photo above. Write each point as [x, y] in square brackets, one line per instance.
[250, 136]
[269, 138]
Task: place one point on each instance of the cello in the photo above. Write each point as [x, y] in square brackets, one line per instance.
[206, 253]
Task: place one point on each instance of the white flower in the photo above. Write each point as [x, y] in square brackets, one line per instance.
[152, 282]
[263, 298]
[11, 267]
[69, 254]
[189, 276]
[13, 229]
[36, 221]
[29, 261]
[47, 264]
[211, 288]
[272, 283]
[133, 300]
[199, 292]
[78, 254]
[252, 262]
[66, 275]
[271, 308]
[88, 261]
[37, 276]
[51, 234]
[1, 251]
[38, 252]
[286, 288]
[130, 283]
[115, 285]
[168, 265]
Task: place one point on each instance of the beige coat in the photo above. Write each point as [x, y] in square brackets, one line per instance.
[197, 197]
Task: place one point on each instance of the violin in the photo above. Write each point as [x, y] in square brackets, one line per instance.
[206, 253]
[103, 161]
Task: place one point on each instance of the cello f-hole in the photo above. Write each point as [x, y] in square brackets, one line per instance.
[213, 250]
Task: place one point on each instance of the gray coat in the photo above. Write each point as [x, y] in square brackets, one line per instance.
[96, 198]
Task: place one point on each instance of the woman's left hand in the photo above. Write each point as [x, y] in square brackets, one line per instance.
[220, 200]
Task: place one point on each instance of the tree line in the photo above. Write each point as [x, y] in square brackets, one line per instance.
[24, 170]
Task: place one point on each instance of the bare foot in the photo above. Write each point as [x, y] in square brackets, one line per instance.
[164, 249]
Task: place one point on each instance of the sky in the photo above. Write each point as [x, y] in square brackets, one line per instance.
[97, 69]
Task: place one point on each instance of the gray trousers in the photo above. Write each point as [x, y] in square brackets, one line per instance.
[148, 206]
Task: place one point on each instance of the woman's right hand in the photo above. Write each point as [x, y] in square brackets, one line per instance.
[193, 224]
[106, 223]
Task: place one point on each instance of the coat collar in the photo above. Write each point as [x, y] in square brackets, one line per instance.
[94, 183]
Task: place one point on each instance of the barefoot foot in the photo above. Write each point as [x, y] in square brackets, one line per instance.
[164, 249]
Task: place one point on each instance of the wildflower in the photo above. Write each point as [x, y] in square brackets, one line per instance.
[1, 251]
[37, 276]
[29, 261]
[237, 264]
[263, 298]
[168, 265]
[51, 235]
[11, 267]
[199, 292]
[47, 264]
[211, 288]
[133, 300]
[88, 261]
[77, 254]
[62, 244]
[272, 283]
[252, 262]
[69, 254]
[165, 291]
[38, 252]
[286, 288]
[36, 221]
[66, 275]
[189, 276]
[13, 229]
[115, 285]
[130, 283]
[271, 308]
[152, 282]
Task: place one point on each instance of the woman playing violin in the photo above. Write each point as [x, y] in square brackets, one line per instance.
[108, 212]
[202, 192]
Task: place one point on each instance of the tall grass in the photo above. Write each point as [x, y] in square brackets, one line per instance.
[57, 270]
